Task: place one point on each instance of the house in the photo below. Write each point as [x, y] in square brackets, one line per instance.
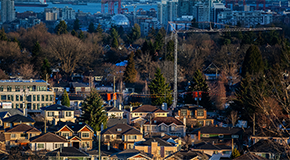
[76, 100]
[157, 147]
[48, 141]
[65, 153]
[5, 113]
[269, 149]
[55, 113]
[187, 155]
[79, 135]
[17, 119]
[280, 137]
[60, 87]
[20, 134]
[144, 110]
[77, 87]
[131, 154]
[106, 152]
[218, 135]
[251, 156]
[121, 136]
[194, 115]
[167, 125]
[113, 121]
[114, 112]
[211, 149]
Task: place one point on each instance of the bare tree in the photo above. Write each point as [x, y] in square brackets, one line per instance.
[233, 117]
[167, 68]
[26, 71]
[67, 52]
[146, 67]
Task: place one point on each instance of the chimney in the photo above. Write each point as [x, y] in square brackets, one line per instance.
[120, 107]
[131, 108]
[198, 135]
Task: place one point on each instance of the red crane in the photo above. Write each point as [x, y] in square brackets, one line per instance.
[111, 6]
[261, 2]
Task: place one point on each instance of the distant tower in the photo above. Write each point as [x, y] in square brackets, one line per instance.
[7, 11]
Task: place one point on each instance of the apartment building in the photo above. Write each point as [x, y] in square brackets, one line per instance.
[33, 94]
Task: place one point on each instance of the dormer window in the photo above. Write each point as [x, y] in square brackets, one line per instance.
[119, 130]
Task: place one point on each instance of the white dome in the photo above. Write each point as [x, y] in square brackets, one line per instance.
[120, 20]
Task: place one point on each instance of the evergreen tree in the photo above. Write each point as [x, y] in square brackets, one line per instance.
[159, 90]
[114, 36]
[74, 33]
[93, 112]
[3, 36]
[130, 72]
[36, 58]
[253, 62]
[235, 154]
[81, 35]
[152, 33]
[99, 29]
[158, 44]
[199, 84]
[144, 47]
[76, 26]
[170, 50]
[65, 99]
[135, 34]
[61, 28]
[45, 69]
[91, 28]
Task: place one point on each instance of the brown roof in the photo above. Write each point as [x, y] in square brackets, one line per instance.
[145, 108]
[250, 156]
[160, 110]
[23, 128]
[48, 137]
[165, 120]
[121, 129]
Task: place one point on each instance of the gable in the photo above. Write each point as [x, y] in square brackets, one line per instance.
[138, 156]
[75, 139]
[65, 128]
[84, 129]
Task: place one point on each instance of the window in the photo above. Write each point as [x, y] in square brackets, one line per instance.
[65, 134]
[205, 135]
[17, 88]
[58, 146]
[46, 97]
[168, 152]
[38, 97]
[21, 98]
[17, 98]
[50, 114]
[34, 106]
[42, 97]
[10, 97]
[208, 123]
[119, 130]
[172, 128]
[68, 114]
[200, 112]
[9, 88]
[3, 97]
[162, 128]
[84, 135]
[1, 88]
[23, 135]
[34, 97]
[132, 137]
[86, 144]
[40, 146]
[12, 135]
[51, 97]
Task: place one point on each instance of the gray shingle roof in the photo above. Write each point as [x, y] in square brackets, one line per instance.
[12, 111]
[56, 107]
[48, 137]
[18, 118]
[148, 142]
[113, 121]
[218, 130]
[267, 146]
[209, 146]
[121, 129]
[250, 156]
[145, 108]
[67, 152]
[23, 128]
[77, 84]
[188, 155]
[131, 152]
[165, 120]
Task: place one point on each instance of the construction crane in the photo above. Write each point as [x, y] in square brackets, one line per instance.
[111, 7]
[211, 30]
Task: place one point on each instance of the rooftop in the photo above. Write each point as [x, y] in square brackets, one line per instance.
[23, 128]
[188, 155]
[18, 118]
[120, 129]
[23, 81]
[209, 146]
[146, 108]
[165, 120]
[251, 156]
[218, 130]
[267, 146]
[67, 152]
[160, 142]
[56, 107]
[48, 137]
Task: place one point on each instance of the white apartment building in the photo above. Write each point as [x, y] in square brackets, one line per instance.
[68, 13]
[167, 11]
[246, 18]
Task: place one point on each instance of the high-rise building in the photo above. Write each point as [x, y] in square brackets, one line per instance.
[201, 12]
[185, 7]
[68, 13]
[7, 11]
[167, 11]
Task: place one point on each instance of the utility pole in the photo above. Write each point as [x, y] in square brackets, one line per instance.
[99, 139]
[211, 30]
[114, 98]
